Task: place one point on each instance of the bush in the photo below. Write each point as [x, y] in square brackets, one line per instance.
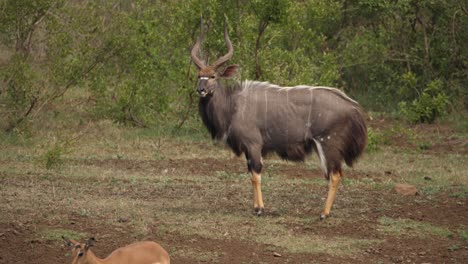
[53, 158]
[431, 104]
[20, 93]
[374, 139]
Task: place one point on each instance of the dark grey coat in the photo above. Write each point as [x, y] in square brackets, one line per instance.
[256, 118]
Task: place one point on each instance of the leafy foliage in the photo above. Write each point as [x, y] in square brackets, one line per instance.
[428, 106]
[132, 57]
[374, 139]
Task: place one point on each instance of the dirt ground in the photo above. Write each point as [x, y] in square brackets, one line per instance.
[445, 209]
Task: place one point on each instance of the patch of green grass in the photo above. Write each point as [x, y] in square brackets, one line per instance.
[463, 234]
[313, 165]
[411, 168]
[459, 121]
[53, 158]
[141, 227]
[268, 231]
[19, 139]
[387, 184]
[225, 175]
[56, 234]
[411, 228]
[398, 130]
[459, 193]
[424, 145]
[197, 255]
[454, 247]
[279, 235]
[193, 131]
[358, 182]
[339, 246]
[431, 189]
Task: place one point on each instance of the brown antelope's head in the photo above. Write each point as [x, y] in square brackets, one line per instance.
[208, 76]
[80, 251]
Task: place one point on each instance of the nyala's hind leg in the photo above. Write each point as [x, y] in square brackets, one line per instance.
[333, 184]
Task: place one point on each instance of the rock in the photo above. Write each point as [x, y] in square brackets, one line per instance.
[405, 189]
[276, 254]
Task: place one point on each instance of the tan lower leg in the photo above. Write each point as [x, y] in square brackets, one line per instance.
[255, 195]
[333, 185]
[257, 188]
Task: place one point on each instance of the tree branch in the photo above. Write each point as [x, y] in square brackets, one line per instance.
[18, 121]
[74, 80]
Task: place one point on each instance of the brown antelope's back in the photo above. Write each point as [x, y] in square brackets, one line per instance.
[147, 252]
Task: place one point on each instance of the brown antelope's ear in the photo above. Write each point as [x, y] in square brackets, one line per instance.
[89, 243]
[230, 71]
[67, 241]
[70, 243]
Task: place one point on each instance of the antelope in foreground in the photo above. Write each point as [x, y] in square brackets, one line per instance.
[146, 252]
[254, 118]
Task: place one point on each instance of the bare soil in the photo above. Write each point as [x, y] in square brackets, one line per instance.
[19, 242]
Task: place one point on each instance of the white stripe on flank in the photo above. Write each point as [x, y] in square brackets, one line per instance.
[255, 84]
[323, 160]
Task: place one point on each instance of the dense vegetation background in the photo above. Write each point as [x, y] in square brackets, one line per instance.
[129, 61]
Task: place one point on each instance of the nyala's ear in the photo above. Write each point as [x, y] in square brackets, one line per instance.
[230, 71]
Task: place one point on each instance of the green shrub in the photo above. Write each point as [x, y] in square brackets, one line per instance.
[53, 157]
[463, 234]
[431, 104]
[374, 139]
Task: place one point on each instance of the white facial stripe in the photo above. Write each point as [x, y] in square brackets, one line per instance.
[203, 78]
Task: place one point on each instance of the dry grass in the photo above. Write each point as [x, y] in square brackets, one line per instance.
[408, 227]
[106, 177]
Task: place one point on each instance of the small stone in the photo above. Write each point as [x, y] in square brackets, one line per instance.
[276, 254]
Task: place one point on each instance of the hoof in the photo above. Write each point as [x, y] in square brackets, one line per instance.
[259, 211]
[323, 216]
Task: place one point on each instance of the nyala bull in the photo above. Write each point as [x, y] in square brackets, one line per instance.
[255, 118]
